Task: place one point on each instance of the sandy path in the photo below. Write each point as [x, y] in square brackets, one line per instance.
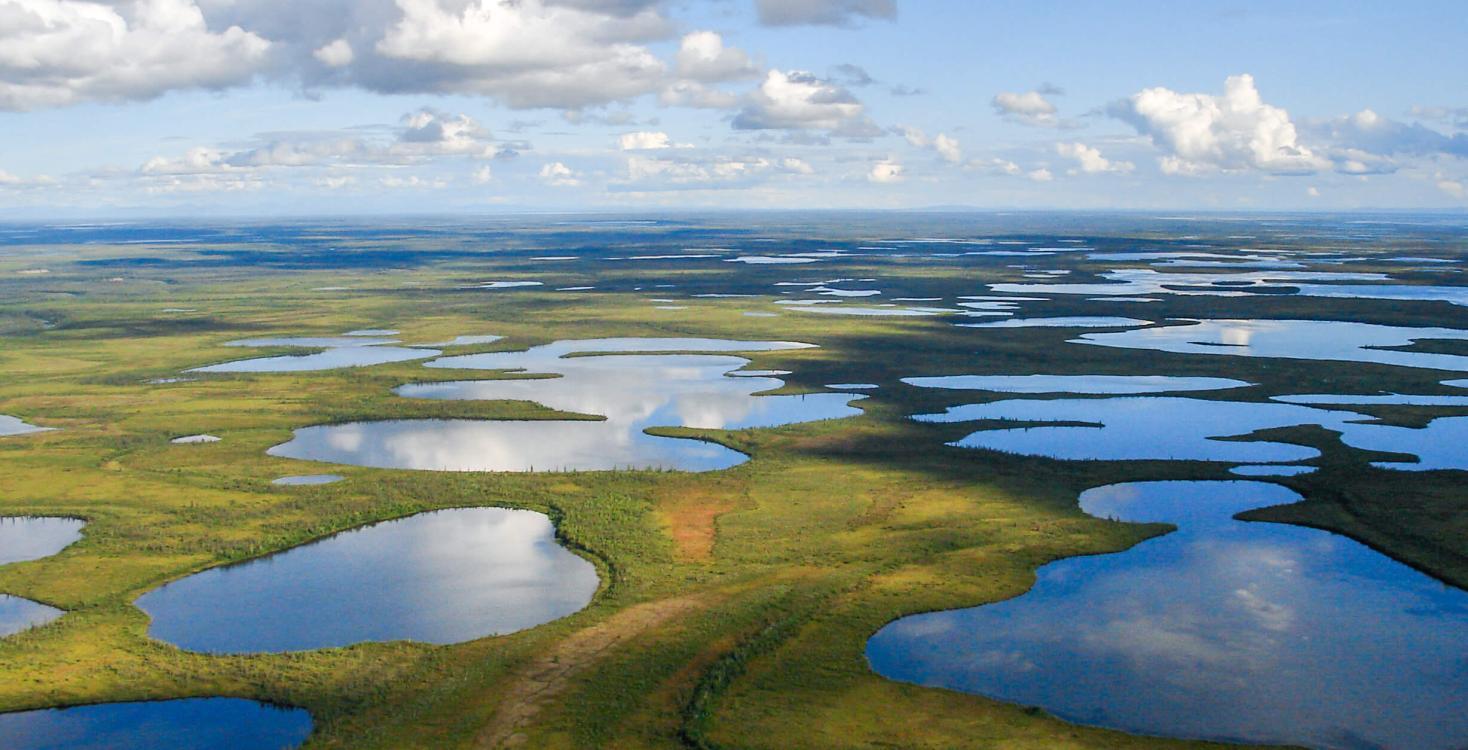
[546, 676]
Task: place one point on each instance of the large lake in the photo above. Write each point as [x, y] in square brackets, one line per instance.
[1227, 630]
[441, 577]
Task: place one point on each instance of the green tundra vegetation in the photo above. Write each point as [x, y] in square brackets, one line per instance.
[735, 605]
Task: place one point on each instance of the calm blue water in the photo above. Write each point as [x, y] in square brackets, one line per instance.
[17, 614]
[1141, 428]
[441, 577]
[351, 350]
[191, 724]
[1439, 445]
[1079, 321]
[1225, 630]
[480, 445]
[25, 538]
[1329, 340]
[34, 537]
[1084, 384]
[634, 392]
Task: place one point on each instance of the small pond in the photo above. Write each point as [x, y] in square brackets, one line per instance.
[1270, 470]
[189, 724]
[1226, 630]
[196, 439]
[14, 426]
[31, 538]
[306, 480]
[17, 614]
[440, 577]
[25, 538]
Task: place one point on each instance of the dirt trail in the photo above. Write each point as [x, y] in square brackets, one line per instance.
[532, 686]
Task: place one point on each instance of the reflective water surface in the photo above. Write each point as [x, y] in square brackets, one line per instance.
[191, 724]
[1398, 399]
[1292, 339]
[34, 537]
[633, 392]
[441, 577]
[31, 538]
[1138, 281]
[1439, 445]
[478, 445]
[307, 480]
[1089, 384]
[1077, 321]
[1224, 630]
[355, 349]
[17, 614]
[1268, 470]
[14, 426]
[1141, 428]
[195, 439]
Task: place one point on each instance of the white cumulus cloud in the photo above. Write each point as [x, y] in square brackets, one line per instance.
[1232, 132]
[1027, 108]
[59, 52]
[947, 146]
[886, 171]
[1452, 187]
[335, 54]
[1090, 160]
[702, 56]
[558, 174]
[799, 100]
[529, 53]
[644, 141]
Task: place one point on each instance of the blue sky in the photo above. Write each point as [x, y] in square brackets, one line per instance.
[344, 106]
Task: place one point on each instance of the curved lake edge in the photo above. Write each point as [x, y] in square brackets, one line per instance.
[1167, 529]
[32, 598]
[13, 425]
[1248, 516]
[41, 515]
[42, 609]
[705, 436]
[284, 709]
[1257, 515]
[600, 562]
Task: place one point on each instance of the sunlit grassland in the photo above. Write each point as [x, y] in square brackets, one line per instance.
[785, 564]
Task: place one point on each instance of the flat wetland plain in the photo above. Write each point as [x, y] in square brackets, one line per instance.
[735, 605]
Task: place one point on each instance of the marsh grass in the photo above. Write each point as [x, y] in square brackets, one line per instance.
[831, 530]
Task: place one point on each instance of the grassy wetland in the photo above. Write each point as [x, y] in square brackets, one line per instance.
[734, 605]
